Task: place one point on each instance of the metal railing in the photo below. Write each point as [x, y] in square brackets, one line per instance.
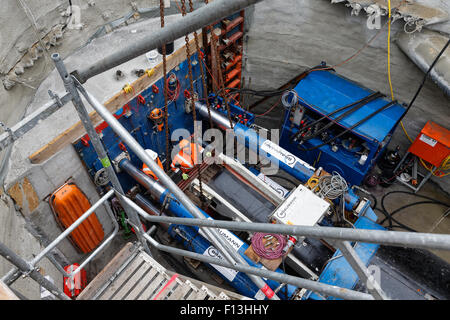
[25, 268]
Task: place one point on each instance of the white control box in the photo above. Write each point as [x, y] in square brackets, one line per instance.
[302, 208]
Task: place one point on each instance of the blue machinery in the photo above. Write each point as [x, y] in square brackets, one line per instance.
[134, 117]
[321, 94]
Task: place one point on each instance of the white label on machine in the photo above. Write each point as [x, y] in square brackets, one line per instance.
[428, 140]
[302, 208]
[234, 241]
[275, 186]
[230, 274]
[286, 157]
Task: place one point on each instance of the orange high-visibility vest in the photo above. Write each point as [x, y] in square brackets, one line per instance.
[186, 159]
[155, 158]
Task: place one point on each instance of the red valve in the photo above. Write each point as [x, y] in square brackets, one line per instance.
[155, 88]
[141, 99]
[122, 146]
[187, 94]
[85, 141]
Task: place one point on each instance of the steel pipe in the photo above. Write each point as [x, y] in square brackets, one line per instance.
[156, 188]
[28, 269]
[211, 234]
[280, 277]
[191, 22]
[393, 238]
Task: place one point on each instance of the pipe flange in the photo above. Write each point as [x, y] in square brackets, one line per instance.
[120, 157]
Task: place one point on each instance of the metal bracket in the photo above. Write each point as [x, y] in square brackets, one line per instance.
[120, 157]
[7, 129]
[55, 98]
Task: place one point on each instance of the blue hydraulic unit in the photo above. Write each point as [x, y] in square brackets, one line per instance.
[339, 125]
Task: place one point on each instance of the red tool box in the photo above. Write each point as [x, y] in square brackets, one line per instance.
[432, 144]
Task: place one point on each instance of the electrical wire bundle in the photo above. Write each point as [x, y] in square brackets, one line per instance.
[270, 251]
[294, 100]
[332, 186]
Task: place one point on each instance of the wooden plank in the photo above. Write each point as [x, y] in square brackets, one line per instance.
[108, 271]
[142, 284]
[123, 291]
[122, 279]
[180, 292]
[75, 132]
[153, 288]
[6, 293]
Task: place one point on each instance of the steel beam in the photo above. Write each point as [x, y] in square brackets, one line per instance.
[19, 129]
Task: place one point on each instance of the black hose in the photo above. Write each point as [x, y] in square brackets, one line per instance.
[353, 126]
[355, 107]
[389, 216]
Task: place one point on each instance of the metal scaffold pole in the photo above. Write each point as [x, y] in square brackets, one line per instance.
[96, 143]
[27, 269]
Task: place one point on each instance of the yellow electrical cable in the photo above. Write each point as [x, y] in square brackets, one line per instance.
[389, 51]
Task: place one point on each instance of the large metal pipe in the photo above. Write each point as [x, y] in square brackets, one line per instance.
[263, 147]
[191, 22]
[157, 189]
[211, 234]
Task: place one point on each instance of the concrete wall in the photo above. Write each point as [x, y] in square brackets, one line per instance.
[285, 37]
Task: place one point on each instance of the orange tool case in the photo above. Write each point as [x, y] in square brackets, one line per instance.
[68, 203]
[432, 144]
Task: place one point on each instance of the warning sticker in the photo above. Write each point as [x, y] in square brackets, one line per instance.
[283, 155]
[230, 274]
[430, 141]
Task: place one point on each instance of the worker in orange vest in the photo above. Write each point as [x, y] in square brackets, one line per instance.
[155, 158]
[187, 157]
